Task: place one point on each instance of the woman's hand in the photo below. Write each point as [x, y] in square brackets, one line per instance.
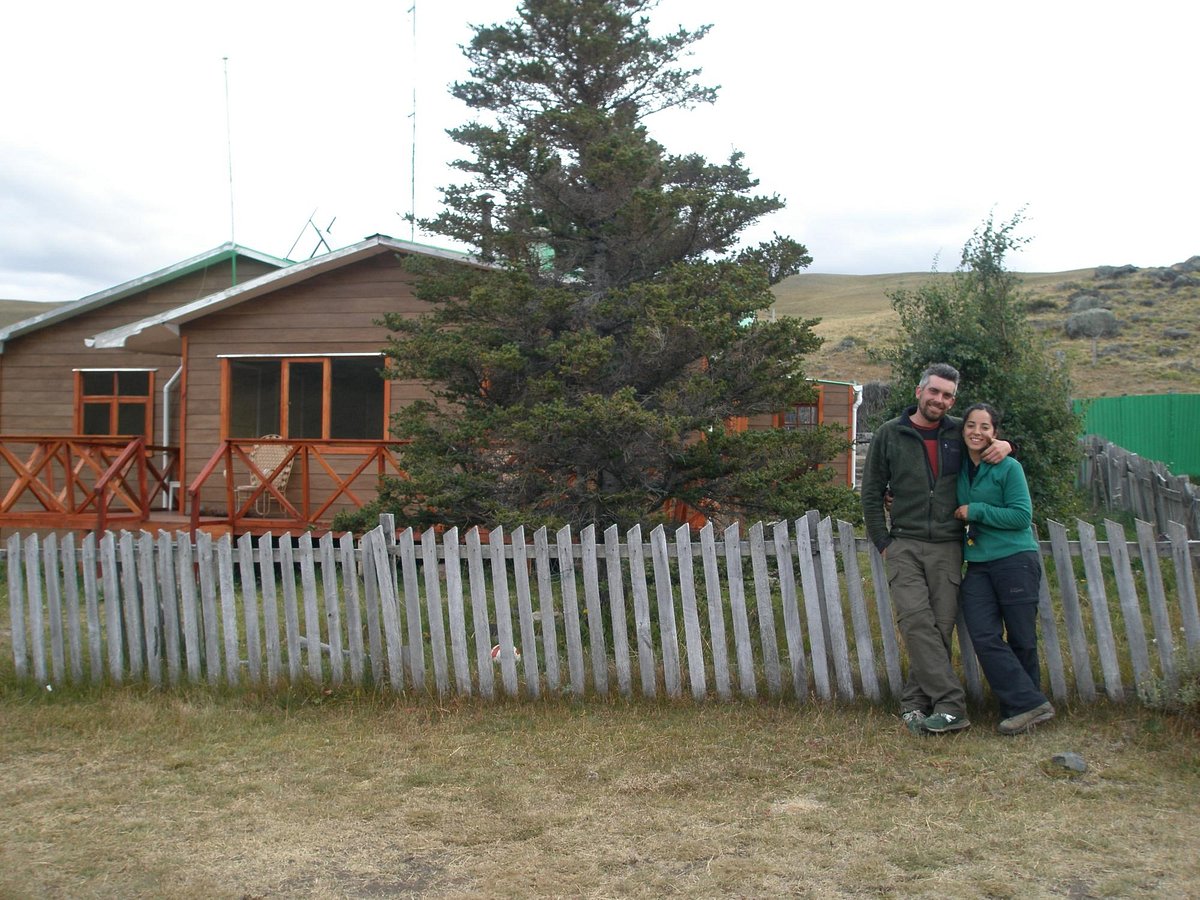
[961, 512]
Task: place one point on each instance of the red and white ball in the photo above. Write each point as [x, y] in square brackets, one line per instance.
[496, 654]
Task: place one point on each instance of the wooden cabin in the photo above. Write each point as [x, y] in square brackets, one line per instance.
[232, 391]
[836, 403]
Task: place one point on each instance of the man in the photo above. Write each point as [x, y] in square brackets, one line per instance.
[915, 459]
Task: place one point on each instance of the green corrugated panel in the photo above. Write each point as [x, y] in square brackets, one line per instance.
[1162, 427]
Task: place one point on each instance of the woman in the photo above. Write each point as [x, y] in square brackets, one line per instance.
[999, 594]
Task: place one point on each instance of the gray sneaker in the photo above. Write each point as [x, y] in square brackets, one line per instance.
[1022, 722]
[944, 721]
[914, 719]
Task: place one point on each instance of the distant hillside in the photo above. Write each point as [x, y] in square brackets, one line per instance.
[1156, 313]
[13, 311]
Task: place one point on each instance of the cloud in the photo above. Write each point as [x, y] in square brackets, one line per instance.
[66, 234]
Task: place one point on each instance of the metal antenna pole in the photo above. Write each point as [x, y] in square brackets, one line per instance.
[229, 151]
[412, 176]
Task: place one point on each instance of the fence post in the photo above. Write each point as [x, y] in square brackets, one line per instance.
[354, 623]
[570, 603]
[479, 614]
[1186, 586]
[36, 619]
[58, 660]
[1072, 617]
[331, 597]
[840, 646]
[766, 611]
[503, 607]
[1159, 617]
[16, 607]
[529, 648]
[455, 611]
[616, 607]
[270, 607]
[691, 617]
[591, 600]
[541, 554]
[71, 593]
[1106, 647]
[250, 595]
[1051, 650]
[151, 610]
[737, 607]
[433, 609]
[377, 558]
[406, 550]
[858, 612]
[887, 620]
[793, 632]
[668, 636]
[229, 628]
[716, 612]
[170, 604]
[1131, 612]
[641, 612]
[186, 572]
[812, 609]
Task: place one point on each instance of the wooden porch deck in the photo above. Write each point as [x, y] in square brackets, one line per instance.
[174, 521]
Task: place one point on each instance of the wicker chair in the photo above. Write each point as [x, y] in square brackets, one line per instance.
[266, 459]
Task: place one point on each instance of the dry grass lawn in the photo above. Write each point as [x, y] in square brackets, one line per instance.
[128, 793]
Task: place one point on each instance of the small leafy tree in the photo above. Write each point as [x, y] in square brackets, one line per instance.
[975, 321]
[588, 371]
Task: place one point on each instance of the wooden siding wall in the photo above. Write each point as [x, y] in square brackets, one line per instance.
[331, 313]
[835, 406]
[37, 391]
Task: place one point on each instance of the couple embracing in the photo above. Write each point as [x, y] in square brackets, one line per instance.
[938, 473]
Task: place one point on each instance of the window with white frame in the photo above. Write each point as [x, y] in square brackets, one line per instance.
[320, 397]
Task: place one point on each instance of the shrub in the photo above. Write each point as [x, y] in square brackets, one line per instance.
[1180, 697]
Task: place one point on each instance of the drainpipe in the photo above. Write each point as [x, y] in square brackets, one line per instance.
[166, 427]
[858, 399]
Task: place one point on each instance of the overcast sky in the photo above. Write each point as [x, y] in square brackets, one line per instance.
[891, 130]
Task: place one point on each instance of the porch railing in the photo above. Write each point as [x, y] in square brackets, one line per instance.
[325, 477]
[81, 481]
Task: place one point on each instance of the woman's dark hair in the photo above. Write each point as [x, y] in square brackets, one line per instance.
[992, 412]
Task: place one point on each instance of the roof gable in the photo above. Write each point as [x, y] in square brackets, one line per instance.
[160, 332]
[225, 252]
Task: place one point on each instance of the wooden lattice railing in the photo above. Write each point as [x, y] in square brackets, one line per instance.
[81, 481]
[325, 476]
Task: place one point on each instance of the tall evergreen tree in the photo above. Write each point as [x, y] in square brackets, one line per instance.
[586, 373]
[976, 322]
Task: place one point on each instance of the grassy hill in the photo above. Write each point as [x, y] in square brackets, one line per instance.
[1154, 352]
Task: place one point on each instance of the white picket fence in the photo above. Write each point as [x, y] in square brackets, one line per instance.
[795, 610]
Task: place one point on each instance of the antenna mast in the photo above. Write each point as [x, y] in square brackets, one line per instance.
[412, 176]
[229, 152]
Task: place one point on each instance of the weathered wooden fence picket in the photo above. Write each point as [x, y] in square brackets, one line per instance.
[796, 610]
[1119, 479]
